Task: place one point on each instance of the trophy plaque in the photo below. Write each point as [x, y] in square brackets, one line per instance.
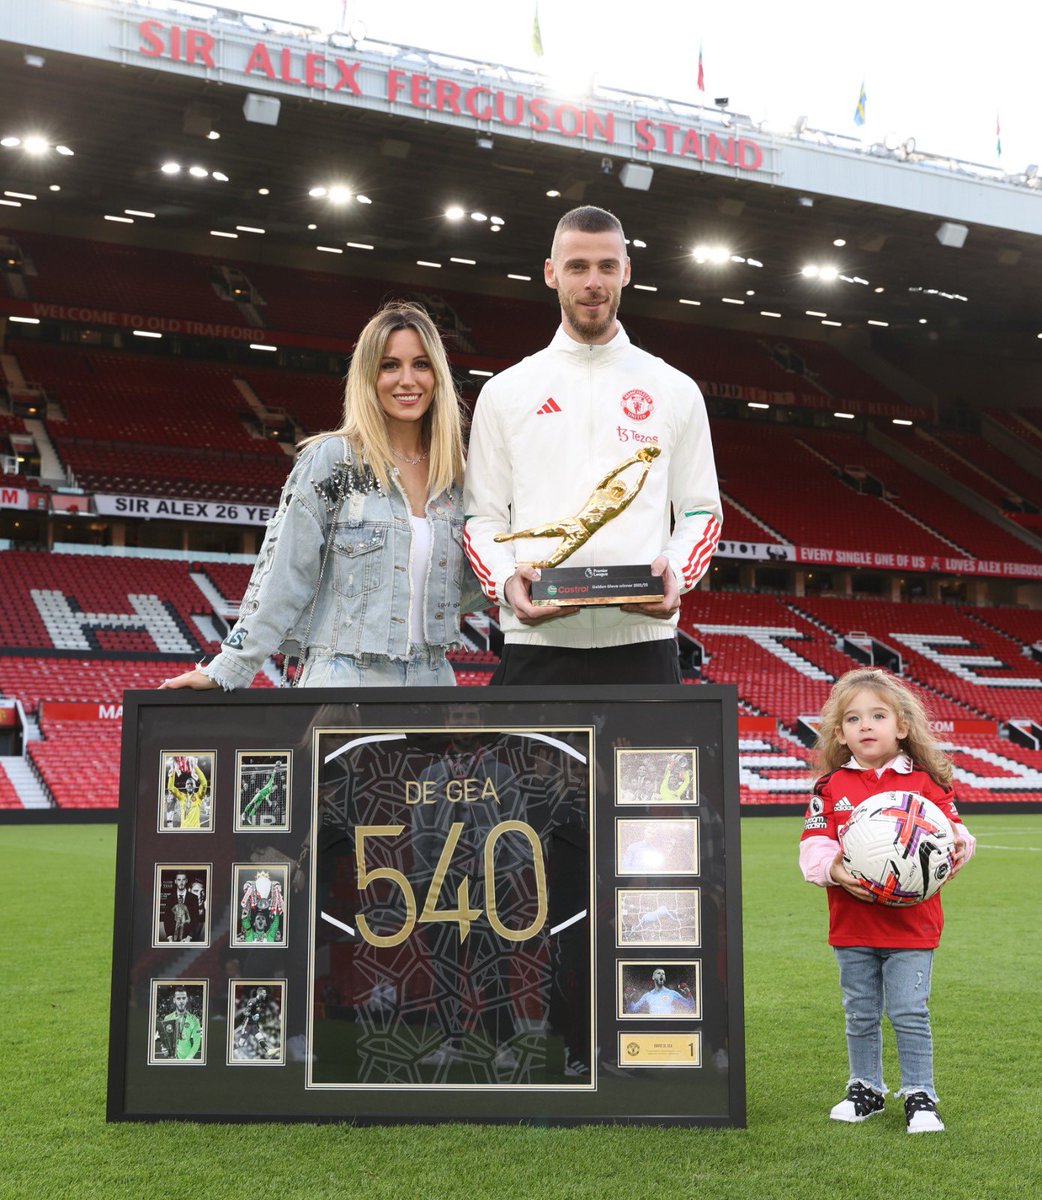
[565, 586]
[609, 584]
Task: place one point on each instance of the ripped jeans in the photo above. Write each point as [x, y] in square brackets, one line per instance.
[898, 981]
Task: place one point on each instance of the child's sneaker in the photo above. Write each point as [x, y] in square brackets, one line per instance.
[859, 1104]
[921, 1114]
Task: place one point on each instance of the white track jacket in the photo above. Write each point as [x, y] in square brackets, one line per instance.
[544, 432]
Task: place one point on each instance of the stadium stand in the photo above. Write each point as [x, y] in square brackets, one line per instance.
[82, 628]
[122, 278]
[35, 679]
[981, 468]
[782, 663]
[67, 601]
[784, 479]
[936, 511]
[956, 658]
[1024, 625]
[1025, 426]
[78, 762]
[9, 798]
[314, 402]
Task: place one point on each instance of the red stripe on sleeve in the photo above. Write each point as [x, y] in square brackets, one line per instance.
[702, 551]
[480, 570]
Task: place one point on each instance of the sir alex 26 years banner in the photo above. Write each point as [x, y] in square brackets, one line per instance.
[429, 905]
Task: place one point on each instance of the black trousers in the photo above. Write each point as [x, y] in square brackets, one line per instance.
[638, 662]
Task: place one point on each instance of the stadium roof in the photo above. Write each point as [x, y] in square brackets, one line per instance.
[125, 119]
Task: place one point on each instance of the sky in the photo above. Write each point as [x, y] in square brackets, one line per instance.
[944, 73]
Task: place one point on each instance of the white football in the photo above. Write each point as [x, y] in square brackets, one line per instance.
[900, 846]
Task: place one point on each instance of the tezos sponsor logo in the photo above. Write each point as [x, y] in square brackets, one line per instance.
[637, 405]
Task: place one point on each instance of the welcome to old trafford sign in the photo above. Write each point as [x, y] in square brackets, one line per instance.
[285, 65]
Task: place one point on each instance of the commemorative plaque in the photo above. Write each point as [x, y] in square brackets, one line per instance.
[431, 904]
[565, 586]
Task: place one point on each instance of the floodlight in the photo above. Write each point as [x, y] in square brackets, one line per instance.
[949, 233]
[637, 176]
[261, 110]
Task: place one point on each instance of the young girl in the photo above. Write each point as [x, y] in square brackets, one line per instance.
[362, 565]
[874, 738]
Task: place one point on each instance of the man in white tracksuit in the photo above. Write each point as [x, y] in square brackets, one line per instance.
[545, 432]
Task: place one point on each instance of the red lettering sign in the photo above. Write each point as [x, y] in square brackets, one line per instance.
[260, 60]
[426, 93]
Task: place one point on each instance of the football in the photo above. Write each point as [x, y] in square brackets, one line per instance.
[900, 846]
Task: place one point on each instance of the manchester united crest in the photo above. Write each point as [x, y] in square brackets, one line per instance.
[637, 405]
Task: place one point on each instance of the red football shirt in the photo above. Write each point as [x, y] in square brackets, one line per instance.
[853, 922]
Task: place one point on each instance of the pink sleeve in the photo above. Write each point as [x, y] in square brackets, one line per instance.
[960, 830]
[816, 855]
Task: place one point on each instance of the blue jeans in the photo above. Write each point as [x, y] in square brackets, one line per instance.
[870, 980]
[425, 667]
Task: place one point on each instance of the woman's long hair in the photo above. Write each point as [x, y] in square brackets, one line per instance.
[918, 743]
[364, 423]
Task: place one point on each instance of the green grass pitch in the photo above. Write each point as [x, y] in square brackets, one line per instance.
[56, 888]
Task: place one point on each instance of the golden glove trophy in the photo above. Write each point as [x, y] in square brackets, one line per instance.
[568, 586]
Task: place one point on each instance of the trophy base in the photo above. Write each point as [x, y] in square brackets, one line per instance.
[564, 587]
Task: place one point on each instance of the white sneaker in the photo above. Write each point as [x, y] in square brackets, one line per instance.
[858, 1104]
[921, 1114]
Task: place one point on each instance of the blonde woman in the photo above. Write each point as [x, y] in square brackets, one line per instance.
[362, 566]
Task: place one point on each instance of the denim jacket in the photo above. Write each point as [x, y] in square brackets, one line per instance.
[354, 599]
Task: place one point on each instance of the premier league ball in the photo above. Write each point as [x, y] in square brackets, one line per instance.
[900, 846]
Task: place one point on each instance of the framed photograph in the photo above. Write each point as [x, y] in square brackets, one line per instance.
[181, 904]
[177, 1023]
[257, 1023]
[263, 786]
[656, 776]
[659, 990]
[656, 846]
[423, 867]
[186, 791]
[658, 917]
[259, 904]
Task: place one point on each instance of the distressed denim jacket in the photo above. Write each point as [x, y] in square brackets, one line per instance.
[354, 599]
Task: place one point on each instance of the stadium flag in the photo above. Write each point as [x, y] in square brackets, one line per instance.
[998, 136]
[862, 101]
[701, 73]
[537, 37]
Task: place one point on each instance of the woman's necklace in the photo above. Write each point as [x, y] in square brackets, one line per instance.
[412, 462]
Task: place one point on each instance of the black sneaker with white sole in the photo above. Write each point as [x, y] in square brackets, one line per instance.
[858, 1104]
[921, 1115]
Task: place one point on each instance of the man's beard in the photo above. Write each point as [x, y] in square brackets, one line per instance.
[589, 328]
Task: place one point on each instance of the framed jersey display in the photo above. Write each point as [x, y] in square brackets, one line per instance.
[446, 905]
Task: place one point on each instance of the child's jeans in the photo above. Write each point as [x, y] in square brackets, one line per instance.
[898, 981]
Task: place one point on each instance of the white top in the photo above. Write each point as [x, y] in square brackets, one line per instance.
[419, 555]
[547, 432]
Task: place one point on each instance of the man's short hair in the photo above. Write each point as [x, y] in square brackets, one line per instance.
[587, 218]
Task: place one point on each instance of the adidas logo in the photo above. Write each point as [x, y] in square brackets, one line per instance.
[551, 406]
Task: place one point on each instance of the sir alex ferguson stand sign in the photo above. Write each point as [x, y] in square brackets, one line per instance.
[429, 905]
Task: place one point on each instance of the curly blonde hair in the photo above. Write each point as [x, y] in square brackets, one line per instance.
[918, 743]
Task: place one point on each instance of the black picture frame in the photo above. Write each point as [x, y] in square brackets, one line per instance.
[552, 751]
